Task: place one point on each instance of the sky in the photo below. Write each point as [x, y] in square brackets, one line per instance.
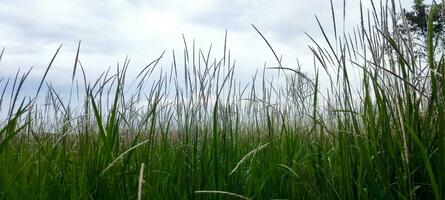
[31, 31]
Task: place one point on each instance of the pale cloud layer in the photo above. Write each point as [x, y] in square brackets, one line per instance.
[110, 30]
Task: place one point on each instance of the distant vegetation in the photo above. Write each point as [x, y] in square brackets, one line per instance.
[194, 132]
[415, 26]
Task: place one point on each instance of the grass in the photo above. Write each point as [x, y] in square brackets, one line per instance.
[194, 132]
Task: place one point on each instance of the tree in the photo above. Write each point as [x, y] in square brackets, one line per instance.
[417, 25]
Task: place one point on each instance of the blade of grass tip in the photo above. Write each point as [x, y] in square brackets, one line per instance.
[290, 170]
[333, 20]
[75, 61]
[327, 40]
[259, 148]
[148, 72]
[344, 15]
[11, 104]
[19, 88]
[268, 44]
[122, 155]
[141, 180]
[221, 192]
[185, 47]
[46, 72]
[3, 94]
[1, 54]
[225, 47]
[86, 85]
[295, 71]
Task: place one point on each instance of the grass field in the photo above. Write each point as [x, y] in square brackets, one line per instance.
[194, 132]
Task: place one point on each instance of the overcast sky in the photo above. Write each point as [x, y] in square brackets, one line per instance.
[31, 31]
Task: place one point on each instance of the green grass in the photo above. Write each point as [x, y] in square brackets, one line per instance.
[194, 132]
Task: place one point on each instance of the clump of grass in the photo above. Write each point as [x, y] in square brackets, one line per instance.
[195, 132]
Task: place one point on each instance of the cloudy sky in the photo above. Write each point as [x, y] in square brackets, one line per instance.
[31, 31]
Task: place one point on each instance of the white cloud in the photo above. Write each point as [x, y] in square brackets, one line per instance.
[111, 30]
